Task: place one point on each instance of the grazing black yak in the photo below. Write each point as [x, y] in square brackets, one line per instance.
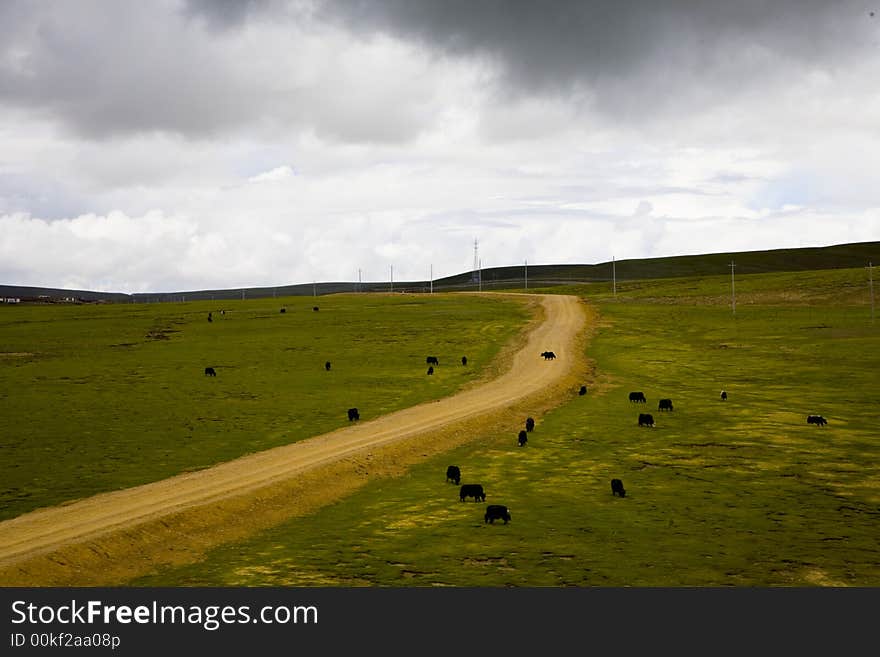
[472, 490]
[497, 512]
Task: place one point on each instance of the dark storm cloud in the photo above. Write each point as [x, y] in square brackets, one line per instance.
[624, 53]
[104, 69]
[226, 14]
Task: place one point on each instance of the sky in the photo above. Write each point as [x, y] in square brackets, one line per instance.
[179, 145]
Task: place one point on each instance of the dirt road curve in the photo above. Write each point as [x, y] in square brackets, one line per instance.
[47, 530]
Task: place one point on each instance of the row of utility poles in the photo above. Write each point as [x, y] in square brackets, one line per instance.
[479, 277]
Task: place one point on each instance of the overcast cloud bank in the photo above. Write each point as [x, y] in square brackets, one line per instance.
[185, 145]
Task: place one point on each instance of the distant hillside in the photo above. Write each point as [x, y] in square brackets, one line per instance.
[841, 256]
[48, 294]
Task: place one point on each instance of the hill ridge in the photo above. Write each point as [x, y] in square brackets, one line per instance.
[839, 256]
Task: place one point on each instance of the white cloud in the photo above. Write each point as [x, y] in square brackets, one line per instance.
[275, 175]
[113, 252]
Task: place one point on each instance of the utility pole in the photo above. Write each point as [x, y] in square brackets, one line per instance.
[359, 279]
[527, 273]
[732, 266]
[392, 278]
[613, 277]
[480, 276]
[871, 287]
[476, 262]
[432, 278]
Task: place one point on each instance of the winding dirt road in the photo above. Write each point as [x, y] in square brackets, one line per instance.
[48, 530]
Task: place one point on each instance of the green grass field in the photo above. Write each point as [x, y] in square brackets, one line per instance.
[102, 397]
[736, 493]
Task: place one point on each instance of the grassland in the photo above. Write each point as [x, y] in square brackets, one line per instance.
[102, 397]
[735, 493]
[701, 266]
